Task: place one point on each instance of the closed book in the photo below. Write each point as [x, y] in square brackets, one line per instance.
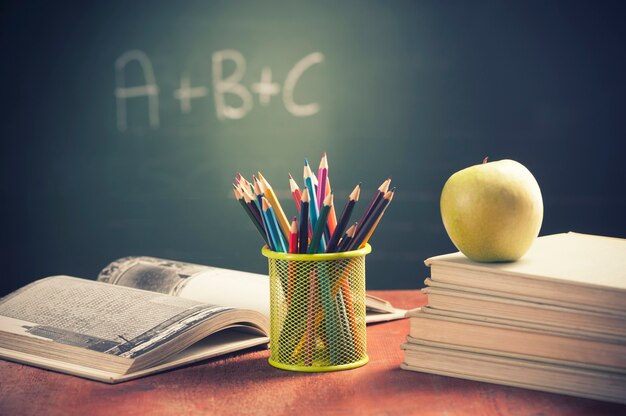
[583, 350]
[527, 313]
[436, 358]
[577, 269]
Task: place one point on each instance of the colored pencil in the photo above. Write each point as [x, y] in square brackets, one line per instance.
[375, 200]
[303, 235]
[282, 241]
[332, 216]
[258, 223]
[281, 218]
[291, 266]
[345, 330]
[294, 325]
[322, 192]
[322, 176]
[245, 186]
[252, 208]
[316, 240]
[330, 322]
[369, 234]
[349, 302]
[272, 227]
[372, 219]
[239, 199]
[248, 194]
[343, 219]
[347, 238]
[242, 181]
[295, 192]
[313, 178]
[248, 189]
[258, 193]
[267, 224]
[293, 237]
[311, 322]
[308, 181]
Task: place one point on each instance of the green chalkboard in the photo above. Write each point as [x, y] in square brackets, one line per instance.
[124, 123]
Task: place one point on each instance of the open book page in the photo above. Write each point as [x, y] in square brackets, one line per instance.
[191, 281]
[82, 313]
[212, 285]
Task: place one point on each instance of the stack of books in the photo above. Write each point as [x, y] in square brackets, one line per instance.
[555, 320]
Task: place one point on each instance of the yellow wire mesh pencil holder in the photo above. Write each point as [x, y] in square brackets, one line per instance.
[317, 310]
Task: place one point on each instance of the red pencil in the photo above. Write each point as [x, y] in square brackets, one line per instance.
[293, 237]
[295, 192]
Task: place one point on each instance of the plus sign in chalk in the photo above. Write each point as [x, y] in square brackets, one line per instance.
[265, 88]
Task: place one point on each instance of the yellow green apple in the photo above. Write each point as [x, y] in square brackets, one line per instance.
[492, 211]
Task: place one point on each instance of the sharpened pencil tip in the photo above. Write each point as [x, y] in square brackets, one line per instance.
[306, 162]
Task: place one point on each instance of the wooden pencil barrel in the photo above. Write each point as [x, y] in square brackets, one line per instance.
[317, 310]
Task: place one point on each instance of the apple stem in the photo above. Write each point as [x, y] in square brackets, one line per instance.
[485, 159]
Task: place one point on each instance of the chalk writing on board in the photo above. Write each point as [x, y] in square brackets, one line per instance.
[222, 86]
[149, 89]
[185, 93]
[265, 88]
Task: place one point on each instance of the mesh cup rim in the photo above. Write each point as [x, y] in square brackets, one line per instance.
[316, 257]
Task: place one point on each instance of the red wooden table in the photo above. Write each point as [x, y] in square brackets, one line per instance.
[245, 384]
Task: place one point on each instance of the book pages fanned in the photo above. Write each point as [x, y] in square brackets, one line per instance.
[123, 322]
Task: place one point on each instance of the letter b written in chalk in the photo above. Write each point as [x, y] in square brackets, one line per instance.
[230, 85]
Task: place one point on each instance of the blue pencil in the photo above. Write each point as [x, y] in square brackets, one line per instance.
[279, 240]
[269, 227]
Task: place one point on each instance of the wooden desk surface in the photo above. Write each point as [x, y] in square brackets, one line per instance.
[245, 384]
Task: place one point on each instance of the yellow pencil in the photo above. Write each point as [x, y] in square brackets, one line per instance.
[283, 222]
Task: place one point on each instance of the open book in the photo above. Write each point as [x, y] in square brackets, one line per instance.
[144, 315]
